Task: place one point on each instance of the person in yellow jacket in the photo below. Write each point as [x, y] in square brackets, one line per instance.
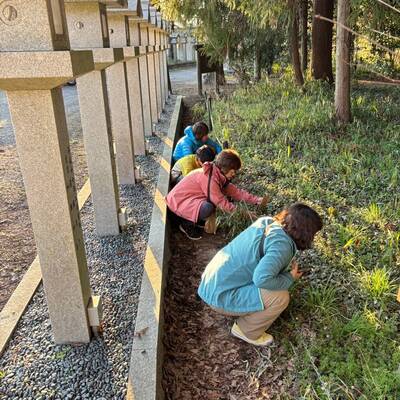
[191, 162]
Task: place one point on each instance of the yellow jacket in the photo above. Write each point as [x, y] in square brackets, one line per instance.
[185, 165]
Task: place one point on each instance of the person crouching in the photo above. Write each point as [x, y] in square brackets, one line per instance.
[195, 197]
[249, 277]
[191, 162]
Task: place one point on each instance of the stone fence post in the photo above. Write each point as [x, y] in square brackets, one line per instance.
[35, 62]
[119, 99]
[88, 29]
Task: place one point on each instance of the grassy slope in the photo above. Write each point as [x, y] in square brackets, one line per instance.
[341, 327]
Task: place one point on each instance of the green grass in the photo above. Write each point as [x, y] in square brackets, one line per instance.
[293, 150]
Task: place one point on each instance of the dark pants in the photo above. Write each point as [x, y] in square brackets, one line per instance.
[206, 209]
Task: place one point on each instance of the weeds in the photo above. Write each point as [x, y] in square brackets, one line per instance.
[292, 150]
[377, 283]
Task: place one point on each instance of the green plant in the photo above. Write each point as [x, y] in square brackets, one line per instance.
[350, 177]
[322, 299]
[377, 283]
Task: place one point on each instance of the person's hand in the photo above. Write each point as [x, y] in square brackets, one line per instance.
[295, 272]
[265, 200]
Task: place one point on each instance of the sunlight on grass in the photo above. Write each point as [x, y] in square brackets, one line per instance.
[292, 149]
[373, 214]
[376, 283]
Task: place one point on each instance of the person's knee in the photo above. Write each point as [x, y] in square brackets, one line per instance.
[209, 208]
[285, 299]
[206, 210]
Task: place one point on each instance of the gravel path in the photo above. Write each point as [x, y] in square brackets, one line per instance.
[17, 245]
[33, 367]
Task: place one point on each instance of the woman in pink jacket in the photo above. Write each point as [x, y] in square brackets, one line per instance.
[196, 197]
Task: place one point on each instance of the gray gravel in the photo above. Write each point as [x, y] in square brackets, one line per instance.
[33, 367]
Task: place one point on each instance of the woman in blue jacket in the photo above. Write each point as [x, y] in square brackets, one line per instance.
[195, 137]
[249, 279]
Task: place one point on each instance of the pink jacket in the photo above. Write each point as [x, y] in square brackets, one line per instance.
[187, 196]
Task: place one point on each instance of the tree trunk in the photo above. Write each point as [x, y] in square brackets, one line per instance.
[221, 75]
[294, 44]
[322, 41]
[257, 62]
[304, 36]
[342, 89]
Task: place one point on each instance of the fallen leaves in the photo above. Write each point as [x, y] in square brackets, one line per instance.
[202, 361]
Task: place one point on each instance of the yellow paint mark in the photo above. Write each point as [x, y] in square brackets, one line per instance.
[168, 142]
[153, 271]
[160, 203]
[165, 165]
[84, 194]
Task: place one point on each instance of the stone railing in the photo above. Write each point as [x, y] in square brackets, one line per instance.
[117, 53]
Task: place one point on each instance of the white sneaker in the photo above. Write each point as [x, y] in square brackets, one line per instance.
[264, 340]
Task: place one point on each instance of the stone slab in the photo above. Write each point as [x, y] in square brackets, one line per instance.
[42, 69]
[103, 58]
[87, 24]
[32, 25]
[145, 373]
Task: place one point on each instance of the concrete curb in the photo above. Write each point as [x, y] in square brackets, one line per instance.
[23, 293]
[182, 65]
[145, 372]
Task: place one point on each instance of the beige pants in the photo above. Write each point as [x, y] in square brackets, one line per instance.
[254, 324]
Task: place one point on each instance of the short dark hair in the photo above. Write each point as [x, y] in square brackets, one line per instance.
[227, 160]
[200, 129]
[301, 223]
[205, 153]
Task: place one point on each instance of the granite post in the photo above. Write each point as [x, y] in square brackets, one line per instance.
[119, 103]
[34, 63]
[87, 25]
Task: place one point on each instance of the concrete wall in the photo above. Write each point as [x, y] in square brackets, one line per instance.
[145, 372]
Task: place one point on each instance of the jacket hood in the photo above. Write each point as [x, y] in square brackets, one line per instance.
[190, 134]
[217, 174]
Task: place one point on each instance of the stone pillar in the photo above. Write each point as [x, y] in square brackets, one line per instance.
[157, 72]
[87, 25]
[145, 84]
[151, 72]
[158, 33]
[165, 64]
[34, 62]
[135, 99]
[43, 146]
[119, 104]
[139, 42]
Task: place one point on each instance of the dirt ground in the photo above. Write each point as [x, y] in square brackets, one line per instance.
[202, 361]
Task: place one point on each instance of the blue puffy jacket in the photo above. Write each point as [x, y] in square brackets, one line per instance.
[188, 144]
